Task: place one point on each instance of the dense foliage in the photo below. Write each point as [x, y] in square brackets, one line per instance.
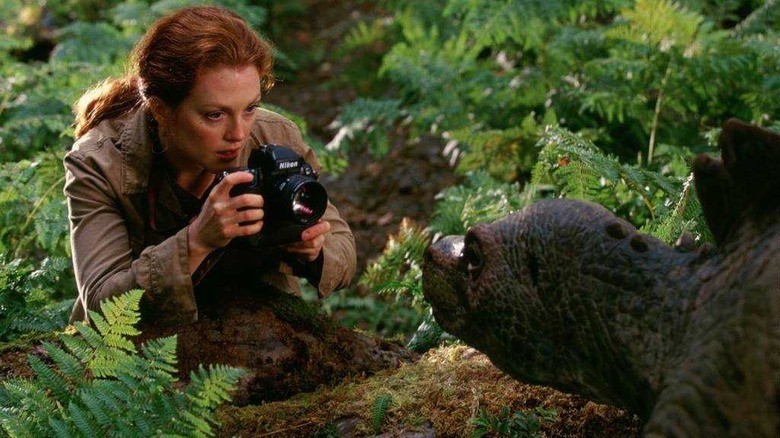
[605, 100]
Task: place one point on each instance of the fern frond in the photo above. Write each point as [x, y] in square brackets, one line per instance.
[96, 406]
[60, 388]
[121, 315]
[366, 121]
[198, 426]
[429, 334]
[83, 420]
[161, 353]
[381, 405]
[61, 429]
[364, 34]
[397, 271]
[102, 389]
[579, 170]
[686, 216]
[78, 348]
[659, 23]
[28, 396]
[209, 388]
[764, 19]
[479, 199]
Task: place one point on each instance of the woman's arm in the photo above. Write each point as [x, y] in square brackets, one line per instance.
[102, 257]
[338, 255]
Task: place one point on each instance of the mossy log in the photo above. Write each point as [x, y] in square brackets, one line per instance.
[285, 343]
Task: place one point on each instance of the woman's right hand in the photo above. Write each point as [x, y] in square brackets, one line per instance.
[223, 217]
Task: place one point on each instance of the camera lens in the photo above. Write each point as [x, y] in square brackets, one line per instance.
[307, 199]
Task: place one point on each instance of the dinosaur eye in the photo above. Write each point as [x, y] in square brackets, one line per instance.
[474, 261]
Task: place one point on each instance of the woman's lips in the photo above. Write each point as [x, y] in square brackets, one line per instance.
[229, 154]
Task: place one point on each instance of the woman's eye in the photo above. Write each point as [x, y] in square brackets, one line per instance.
[252, 108]
[214, 116]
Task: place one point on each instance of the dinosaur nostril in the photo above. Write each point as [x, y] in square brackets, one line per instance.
[638, 244]
[616, 230]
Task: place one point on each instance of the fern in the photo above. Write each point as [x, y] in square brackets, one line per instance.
[577, 169]
[659, 23]
[480, 199]
[30, 298]
[31, 199]
[504, 153]
[99, 385]
[428, 334]
[381, 405]
[686, 217]
[517, 425]
[77, 45]
[398, 270]
[364, 34]
[365, 121]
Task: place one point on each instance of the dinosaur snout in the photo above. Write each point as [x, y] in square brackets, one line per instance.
[443, 279]
[444, 252]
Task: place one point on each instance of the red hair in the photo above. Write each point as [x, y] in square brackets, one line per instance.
[168, 58]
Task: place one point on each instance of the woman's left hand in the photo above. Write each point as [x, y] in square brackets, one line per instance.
[310, 246]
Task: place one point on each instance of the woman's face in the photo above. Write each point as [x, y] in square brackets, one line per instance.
[207, 131]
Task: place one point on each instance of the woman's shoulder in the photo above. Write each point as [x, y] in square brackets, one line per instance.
[107, 132]
[268, 118]
[272, 127]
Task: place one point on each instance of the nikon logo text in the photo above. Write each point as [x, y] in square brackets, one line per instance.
[287, 164]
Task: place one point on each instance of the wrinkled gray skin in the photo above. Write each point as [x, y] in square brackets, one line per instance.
[567, 295]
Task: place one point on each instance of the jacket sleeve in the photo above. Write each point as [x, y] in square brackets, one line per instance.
[339, 254]
[102, 257]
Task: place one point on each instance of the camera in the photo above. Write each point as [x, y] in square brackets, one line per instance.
[294, 200]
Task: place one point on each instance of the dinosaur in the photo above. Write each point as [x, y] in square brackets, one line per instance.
[564, 294]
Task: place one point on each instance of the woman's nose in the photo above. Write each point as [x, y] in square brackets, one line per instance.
[237, 131]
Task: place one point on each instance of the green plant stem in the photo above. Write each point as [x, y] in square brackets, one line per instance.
[657, 112]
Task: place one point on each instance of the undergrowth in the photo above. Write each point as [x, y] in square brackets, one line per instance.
[99, 384]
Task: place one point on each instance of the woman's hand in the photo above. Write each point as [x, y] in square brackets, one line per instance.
[310, 246]
[223, 217]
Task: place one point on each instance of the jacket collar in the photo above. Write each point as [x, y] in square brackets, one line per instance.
[137, 157]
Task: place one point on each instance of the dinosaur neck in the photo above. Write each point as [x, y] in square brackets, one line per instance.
[636, 307]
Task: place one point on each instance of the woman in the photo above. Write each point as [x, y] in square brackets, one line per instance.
[146, 207]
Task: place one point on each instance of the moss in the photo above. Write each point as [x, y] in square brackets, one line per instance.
[444, 389]
[300, 313]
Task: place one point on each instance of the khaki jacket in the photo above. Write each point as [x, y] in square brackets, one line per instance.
[116, 249]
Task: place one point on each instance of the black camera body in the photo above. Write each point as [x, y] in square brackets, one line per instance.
[294, 200]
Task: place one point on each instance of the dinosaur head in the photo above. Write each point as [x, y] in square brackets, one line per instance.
[565, 294]
[533, 290]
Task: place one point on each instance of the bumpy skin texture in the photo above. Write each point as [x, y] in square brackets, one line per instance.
[565, 294]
